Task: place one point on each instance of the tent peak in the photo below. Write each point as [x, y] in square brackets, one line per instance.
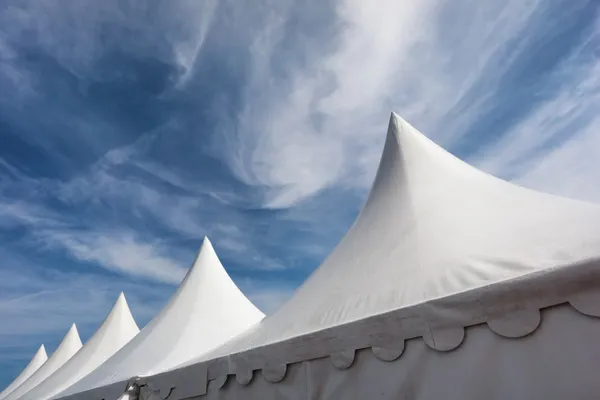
[41, 349]
[38, 359]
[206, 310]
[206, 243]
[73, 330]
[121, 311]
[432, 226]
[71, 339]
[121, 301]
[397, 123]
[118, 328]
[69, 346]
[206, 258]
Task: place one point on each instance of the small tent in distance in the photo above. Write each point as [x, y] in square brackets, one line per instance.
[207, 310]
[70, 344]
[118, 329]
[38, 359]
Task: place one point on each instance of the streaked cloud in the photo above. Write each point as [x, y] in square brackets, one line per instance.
[308, 126]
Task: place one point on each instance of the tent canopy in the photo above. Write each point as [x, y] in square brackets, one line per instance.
[206, 310]
[70, 344]
[432, 226]
[118, 328]
[439, 247]
[37, 360]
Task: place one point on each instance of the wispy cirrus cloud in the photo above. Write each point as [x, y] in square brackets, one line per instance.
[320, 124]
[308, 129]
[119, 251]
[38, 305]
[79, 34]
[551, 149]
[42, 301]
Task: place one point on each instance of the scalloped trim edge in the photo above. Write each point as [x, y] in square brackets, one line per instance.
[513, 325]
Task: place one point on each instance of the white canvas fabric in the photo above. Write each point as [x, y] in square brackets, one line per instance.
[70, 344]
[557, 362]
[36, 361]
[206, 310]
[118, 328]
[432, 226]
[441, 253]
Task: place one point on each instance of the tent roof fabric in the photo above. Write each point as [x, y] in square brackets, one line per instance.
[438, 246]
[38, 359]
[206, 310]
[70, 344]
[118, 328]
[432, 226]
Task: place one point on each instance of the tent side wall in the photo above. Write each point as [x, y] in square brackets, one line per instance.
[495, 321]
[557, 361]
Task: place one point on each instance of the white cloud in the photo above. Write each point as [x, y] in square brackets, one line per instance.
[571, 170]
[78, 33]
[19, 212]
[554, 148]
[118, 251]
[188, 215]
[198, 16]
[116, 246]
[41, 303]
[323, 124]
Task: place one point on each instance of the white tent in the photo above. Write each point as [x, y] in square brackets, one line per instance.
[70, 344]
[206, 310]
[38, 359]
[118, 328]
[451, 284]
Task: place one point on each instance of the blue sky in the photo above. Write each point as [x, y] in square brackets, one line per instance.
[131, 129]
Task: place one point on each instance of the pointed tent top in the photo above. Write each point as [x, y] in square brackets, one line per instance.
[205, 311]
[206, 260]
[118, 328]
[119, 323]
[206, 250]
[206, 254]
[38, 359]
[206, 264]
[41, 352]
[121, 312]
[70, 344]
[72, 333]
[432, 226]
